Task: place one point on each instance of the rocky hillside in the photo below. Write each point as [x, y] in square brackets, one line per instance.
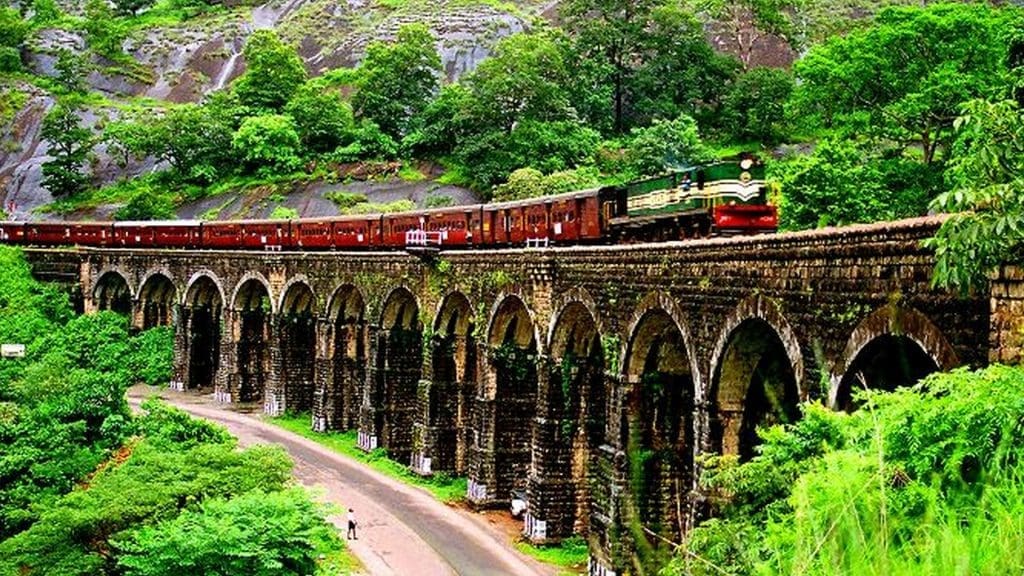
[182, 62]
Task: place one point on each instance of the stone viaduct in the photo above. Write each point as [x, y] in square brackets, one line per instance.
[564, 372]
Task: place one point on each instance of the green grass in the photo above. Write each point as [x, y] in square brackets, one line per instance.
[410, 173]
[571, 553]
[445, 488]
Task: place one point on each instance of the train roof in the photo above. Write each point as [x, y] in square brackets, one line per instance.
[156, 223]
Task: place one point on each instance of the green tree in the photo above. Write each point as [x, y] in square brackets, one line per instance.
[268, 143]
[147, 204]
[71, 69]
[273, 74]
[131, 7]
[397, 80]
[274, 534]
[754, 108]
[102, 31]
[45, 12]
[69, 145]
[746, 22]
[524, 79]
[439, 128]
[13, 31]
[665, 144]
[322, 119]
[986, 196]
[195, 140]
[842, 182]
[635, 60]
[903, 78]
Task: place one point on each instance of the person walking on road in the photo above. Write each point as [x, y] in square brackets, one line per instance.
[351, 535]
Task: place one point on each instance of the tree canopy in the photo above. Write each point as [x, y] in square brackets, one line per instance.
[273, 72]
[904, 77]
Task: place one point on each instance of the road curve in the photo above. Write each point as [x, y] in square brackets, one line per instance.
[403, 531]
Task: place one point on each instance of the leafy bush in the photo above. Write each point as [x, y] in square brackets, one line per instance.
[439, 201]
[664, 144]
[923, 480]
[268, 144]
[322, 119]
[147, 204]
[346, 200]
[843, 183]
[275, 534]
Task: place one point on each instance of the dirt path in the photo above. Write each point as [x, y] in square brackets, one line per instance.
[403, 531]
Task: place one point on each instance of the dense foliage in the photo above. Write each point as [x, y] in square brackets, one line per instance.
[86, 488]
[924, 480]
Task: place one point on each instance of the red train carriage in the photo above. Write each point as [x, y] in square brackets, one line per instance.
[44, 233]
[266, 234]
[312, 234]
[157, 234]
[396, 225]
[91, 233]
[362, 232]
[221, 235]
[452, 225]
[12, 232]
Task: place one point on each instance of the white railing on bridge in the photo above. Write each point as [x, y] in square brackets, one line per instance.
[423, 238]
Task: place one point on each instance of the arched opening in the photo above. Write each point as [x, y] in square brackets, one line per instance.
[453, 360]
[754, 386]
[297, 345]
[887, 362]
[157, 297]
[112, 293]
[342, 401]
[513, 365]
[201, 319]
[578, 401]
[657, 431]
[398, 370]
[252, 306]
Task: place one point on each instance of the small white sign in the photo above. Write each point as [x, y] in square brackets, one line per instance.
[12, 350]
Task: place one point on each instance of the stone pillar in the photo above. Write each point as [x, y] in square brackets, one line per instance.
[371, 409]
[228, 379]
[482, 490]
[137, 320]
[435, 434]
[324, 416]
[182, 357]
[274, 398]
[550, 489]
[608, 539]
[1006, 339]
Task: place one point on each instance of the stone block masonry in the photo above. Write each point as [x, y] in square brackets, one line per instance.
[577, 374]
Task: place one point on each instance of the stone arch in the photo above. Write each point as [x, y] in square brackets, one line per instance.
[346, 304]
[252, 307]
[581, 301]
[756, 371]
[894, 346]
[443, 430]
[247, 288]
[201, 320]
[157, 296]
[512, 322]
[296, 344]
[190, 295]
[401, 310]
[657, 426]
[297, 294]
[395, 373]
[346, 311]
[113, 291]
[577, 400]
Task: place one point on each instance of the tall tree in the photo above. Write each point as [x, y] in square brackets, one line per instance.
[69, 145]
[397, 80]
[748, 21]
[903, 78]
[273, 72]
[636, 60]
[986, 177]
[608, 32]
[523, 80]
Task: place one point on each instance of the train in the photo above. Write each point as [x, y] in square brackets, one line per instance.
[723, 198]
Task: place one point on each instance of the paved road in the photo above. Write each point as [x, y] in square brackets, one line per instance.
[403, 531]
